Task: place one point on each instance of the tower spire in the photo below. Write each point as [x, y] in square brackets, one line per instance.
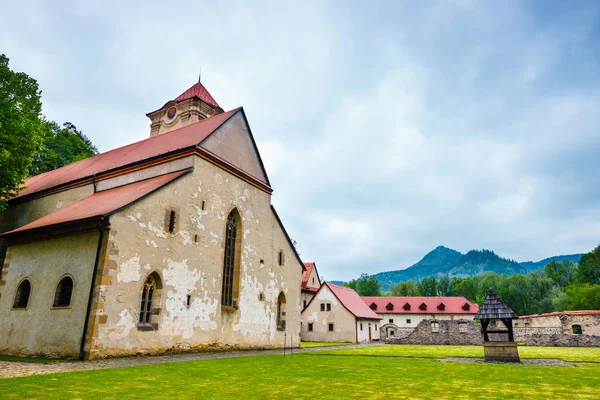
[199, 74]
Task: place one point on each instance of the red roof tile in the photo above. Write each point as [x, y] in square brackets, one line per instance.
[396, 305]
[576, 312]
[102, 203]
[352, 301]
[188, 136]
[198, 90]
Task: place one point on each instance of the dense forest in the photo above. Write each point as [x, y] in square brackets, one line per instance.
[29, 143]
[558, 286]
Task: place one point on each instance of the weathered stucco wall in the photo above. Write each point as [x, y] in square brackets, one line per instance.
[146, 173]
[232, 142]
[401, 320]
[139, 245]
[344, 322]
[40, 328]
[306, 297]
[21, 214]
[367, 324]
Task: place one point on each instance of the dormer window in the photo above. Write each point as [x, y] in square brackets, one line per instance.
[423, 307]
[389, 306]
[406, 307]
[441, 307]
[466, 307]
[373, 306]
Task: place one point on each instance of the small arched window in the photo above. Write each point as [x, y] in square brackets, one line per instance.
[231, 261]
[150, 297]
[22, 295]
[64, 290]
[281, 312]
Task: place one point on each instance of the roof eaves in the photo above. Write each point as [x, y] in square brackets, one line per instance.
[99, 217]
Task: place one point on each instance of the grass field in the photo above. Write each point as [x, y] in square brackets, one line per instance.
[315, 375]
[307, 345]
[573, 354]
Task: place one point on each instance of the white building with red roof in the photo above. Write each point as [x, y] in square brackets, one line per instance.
[169, 243]
[338, 314]
[401, 314]
[311, 282]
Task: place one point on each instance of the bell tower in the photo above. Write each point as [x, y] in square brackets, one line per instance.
[191, 106]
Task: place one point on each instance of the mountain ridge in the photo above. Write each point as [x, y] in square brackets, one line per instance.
[444, 261]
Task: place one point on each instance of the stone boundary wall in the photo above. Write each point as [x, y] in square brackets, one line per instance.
[443, 332]
[399, 333]
[546, 337]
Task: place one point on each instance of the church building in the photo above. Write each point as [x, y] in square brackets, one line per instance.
[167, 244]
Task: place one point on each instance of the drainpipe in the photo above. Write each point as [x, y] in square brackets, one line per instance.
[92, 285]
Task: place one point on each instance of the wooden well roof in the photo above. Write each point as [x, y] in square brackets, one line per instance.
[494, 308]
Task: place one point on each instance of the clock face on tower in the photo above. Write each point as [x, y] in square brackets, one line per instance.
[171, 112]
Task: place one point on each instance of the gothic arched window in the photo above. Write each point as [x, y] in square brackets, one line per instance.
[149, 301]
[231, 261]
[64, 290]
[281, 312]
[22, 295]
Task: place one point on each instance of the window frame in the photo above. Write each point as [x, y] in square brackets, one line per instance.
[149, 310]
[14, 303]
[230, 284]
[68, 305]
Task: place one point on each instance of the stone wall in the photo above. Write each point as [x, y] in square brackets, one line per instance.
[556, 329]
[442, 332]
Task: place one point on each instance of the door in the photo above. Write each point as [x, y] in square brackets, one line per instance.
[369, 333]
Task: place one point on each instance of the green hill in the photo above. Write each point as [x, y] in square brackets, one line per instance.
[443, 261]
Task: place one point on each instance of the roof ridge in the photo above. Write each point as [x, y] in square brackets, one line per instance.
[126, 150]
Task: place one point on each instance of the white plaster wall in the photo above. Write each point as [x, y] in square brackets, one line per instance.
[343, 320]
[415, 319]
[185, 267]
[40, 328]
[363, 335]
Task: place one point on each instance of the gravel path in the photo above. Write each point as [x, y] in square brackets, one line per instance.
[14, 369]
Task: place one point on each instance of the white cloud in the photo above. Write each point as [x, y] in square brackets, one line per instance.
[386, 130]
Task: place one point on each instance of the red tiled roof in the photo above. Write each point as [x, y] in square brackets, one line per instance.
[102, 203]
[306, 274]
[396, 305]
[198, 90]
[577, 312]
[188, 136]
[352, 301]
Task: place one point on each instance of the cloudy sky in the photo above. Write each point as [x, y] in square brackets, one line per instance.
[387, 128]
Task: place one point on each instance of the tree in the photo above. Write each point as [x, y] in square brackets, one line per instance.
[365, 285]
[588, 270]
[21, 128]
[583, 296]
[62, 146]
[408, 288]
[444, 287]
[428, 286]
[561, 273]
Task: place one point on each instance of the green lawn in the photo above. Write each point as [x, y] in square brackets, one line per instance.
[310, 376]
[561, 353]
[307, 345]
